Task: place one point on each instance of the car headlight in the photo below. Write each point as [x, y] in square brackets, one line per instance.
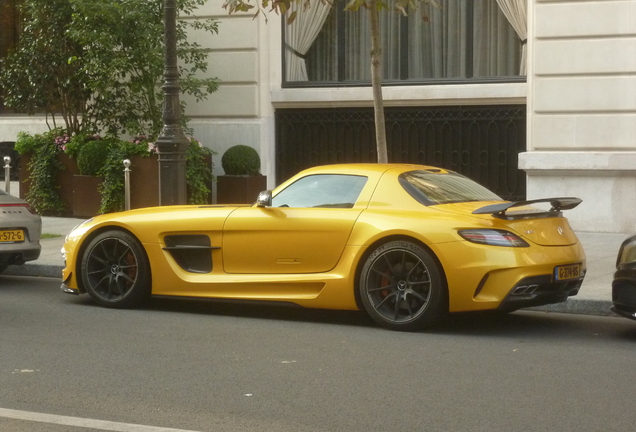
[70, 234]
[493, 237]
[627, 252]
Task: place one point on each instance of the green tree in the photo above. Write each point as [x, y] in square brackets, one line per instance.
[99, 63]
[36, 77]
[373, 8]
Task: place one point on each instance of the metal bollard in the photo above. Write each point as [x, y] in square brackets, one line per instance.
[127, 182]
[7, 174]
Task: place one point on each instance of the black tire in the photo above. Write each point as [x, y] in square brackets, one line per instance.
[115, 270]
[401, 287]
[3, 267]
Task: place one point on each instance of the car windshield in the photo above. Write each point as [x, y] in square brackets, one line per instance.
[444, 187]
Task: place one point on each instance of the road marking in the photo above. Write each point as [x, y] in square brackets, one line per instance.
[83, 422]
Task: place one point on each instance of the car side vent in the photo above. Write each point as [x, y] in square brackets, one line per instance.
[193, 253]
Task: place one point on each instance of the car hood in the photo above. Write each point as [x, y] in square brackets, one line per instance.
[535, 226]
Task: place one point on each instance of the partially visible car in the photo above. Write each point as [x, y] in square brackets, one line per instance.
[624, 284]
[20, 231]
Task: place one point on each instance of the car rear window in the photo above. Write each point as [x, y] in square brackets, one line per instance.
[444, 187]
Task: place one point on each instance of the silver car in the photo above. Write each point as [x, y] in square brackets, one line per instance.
[20, 231]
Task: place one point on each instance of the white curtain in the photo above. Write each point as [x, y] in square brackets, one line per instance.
[358, 45]
[301, 34]
[437, 46]
[496, 49]
[517, 13]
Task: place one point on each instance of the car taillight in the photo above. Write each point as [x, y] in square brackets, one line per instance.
[493, 237]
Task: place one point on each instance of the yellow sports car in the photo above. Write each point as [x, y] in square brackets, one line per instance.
[405, 243]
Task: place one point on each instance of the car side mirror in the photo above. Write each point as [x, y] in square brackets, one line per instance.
[264, 199]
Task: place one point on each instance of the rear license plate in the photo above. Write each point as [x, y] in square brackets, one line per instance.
[11, 236]
[572, 271]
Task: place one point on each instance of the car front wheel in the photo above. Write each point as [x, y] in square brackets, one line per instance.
[115, 271]
[401, 287]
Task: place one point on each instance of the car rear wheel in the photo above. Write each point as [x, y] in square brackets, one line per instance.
[115, 270]
[401, 287]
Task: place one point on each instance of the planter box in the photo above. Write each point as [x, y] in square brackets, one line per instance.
[86, 196]
[80, 194]
[144, 181]
[239, 189]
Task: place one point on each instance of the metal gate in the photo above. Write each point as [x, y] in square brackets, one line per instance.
[480, 142]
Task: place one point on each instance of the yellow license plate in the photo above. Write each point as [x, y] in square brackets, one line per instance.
[572, 271]
[11, 236]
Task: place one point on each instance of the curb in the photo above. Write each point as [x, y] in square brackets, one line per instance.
[578, 306]
[40, 270]
[570, 306]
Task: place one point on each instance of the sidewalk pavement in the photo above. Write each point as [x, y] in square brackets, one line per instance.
[594, 298]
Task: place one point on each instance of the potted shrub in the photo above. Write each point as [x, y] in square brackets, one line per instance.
[242, 180]
[144, 184]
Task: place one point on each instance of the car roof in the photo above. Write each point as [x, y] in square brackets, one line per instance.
[362, 168]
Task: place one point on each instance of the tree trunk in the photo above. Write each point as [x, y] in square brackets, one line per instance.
[376, 83]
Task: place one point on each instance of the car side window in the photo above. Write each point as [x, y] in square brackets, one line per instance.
[321, 190]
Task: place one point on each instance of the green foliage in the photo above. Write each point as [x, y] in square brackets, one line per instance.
[241, 160]
[198, 173]
[76, 142]
[100, 63]
[284, 6]
[37, 77]
[92, 154]
[100, 157]
[43, 168]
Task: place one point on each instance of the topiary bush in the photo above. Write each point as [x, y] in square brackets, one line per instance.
[92, 154]
[241, 160]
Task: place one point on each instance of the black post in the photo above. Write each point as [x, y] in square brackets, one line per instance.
[172, 144]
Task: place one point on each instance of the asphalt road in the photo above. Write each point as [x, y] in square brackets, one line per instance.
[67, 365]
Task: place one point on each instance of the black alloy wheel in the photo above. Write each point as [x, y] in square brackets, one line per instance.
[401, 287]
[115, 270]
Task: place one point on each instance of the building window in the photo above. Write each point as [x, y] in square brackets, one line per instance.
[464, 40]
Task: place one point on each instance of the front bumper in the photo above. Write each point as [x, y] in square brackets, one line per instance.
[66, 288]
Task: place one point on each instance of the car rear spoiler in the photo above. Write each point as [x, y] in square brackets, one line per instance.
[558, 204]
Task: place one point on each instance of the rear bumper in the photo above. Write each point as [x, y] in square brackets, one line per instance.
[539, 291]
[18, 257]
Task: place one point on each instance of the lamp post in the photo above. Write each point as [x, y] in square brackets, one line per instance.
[172, 143]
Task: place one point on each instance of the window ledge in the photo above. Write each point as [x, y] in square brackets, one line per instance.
[430, 95]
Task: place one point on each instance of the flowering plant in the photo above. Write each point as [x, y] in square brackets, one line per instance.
[61, 141]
